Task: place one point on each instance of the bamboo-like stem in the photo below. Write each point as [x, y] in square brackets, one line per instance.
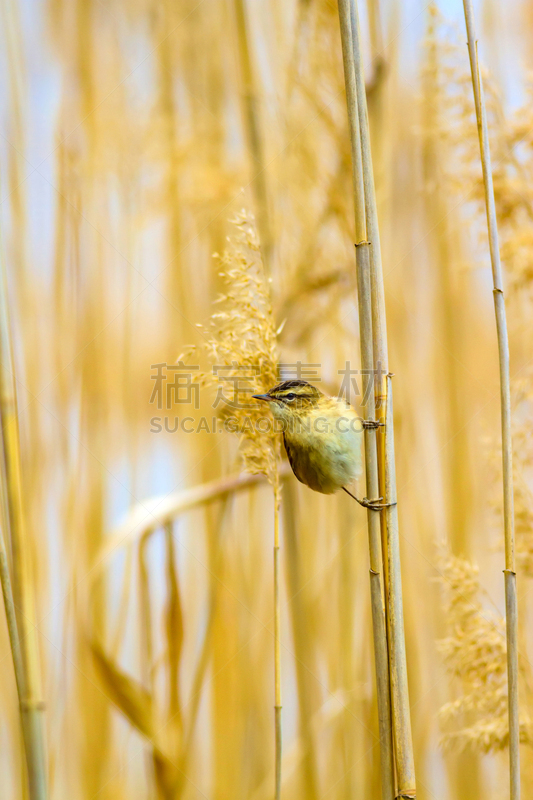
[277, 641]
[300, 636]
[166, 76]
[406, 786]
[376, 88]
[31, 726]
[511, 611]
[22, 630]
[26, 650]
[383, 675]
[379, 318]
[174, 630]
[11, 619]
[145, 616]
[252, 132]
[195, 694]
[367, 363]
[7, 594]
[401, 716]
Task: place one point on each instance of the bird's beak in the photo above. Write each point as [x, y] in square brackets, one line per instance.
[266, 397]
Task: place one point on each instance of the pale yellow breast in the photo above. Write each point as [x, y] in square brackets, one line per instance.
[325, 448]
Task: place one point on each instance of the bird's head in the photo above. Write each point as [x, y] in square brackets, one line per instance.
[291, 399]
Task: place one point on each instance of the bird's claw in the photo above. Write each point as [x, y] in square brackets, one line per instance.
[374, 505]
[372, 424]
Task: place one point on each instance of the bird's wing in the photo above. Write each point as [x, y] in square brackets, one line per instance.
[290, 455]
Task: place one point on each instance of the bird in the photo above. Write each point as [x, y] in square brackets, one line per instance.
[323, 437]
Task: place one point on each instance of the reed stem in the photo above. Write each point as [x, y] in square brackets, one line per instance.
[511, 610]
[401, 716]
[252, 132]
[399, 698]
[367, 363]
[301, 636]
[404, 757]
[277, 641]
[11, 619]
[19, 598]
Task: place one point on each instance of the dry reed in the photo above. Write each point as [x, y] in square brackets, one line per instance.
[373, 334]
[475, 652]
[511, 606]
[19, 601]
[126, 145]
[362, 245]
[242, 341]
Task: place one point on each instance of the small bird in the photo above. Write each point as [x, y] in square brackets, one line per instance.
[323, 437]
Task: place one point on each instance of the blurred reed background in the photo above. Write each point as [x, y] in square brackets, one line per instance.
[132, 132]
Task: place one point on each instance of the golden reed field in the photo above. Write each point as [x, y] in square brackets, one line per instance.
[182, 185]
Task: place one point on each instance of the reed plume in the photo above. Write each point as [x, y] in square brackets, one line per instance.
[475, 654]
[130, 132]
[241, 341]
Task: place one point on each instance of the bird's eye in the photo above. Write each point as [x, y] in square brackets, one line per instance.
[290, 396]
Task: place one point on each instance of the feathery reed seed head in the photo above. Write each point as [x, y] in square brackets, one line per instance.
[241, 342]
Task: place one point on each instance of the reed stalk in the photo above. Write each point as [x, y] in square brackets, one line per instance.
[404, 758]
[252, 132]
[214, 527]
[172, 172]
[379, 319]
[12, 628]
[511, 610]
[367, 363]
[405, 770]
[20, 599]
[174, 631]
[401, 723]
[277, 640]
[300, 636]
